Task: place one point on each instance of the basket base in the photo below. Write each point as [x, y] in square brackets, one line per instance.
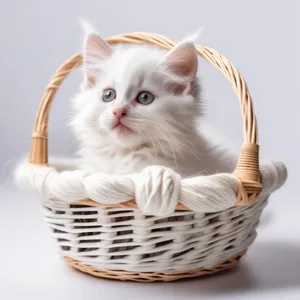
[154, 276]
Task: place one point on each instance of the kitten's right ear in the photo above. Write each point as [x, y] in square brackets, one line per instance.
[95, 50]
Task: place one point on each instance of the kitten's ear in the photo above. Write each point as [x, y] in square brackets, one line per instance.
[95, 50]
[181, 61]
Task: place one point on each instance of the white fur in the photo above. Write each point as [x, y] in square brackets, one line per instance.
[164, 133]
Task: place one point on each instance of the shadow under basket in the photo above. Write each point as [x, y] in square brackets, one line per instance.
[204, 231]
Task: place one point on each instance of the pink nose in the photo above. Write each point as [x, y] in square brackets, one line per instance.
[120, 112]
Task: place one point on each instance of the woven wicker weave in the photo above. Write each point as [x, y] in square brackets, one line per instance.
[155, 276]
[117, 241]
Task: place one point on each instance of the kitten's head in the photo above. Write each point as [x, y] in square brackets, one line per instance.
[136, 95]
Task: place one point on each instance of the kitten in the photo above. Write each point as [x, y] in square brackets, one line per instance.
[140, 106]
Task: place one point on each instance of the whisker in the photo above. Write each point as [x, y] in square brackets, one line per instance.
[152, 144]
[157, 126]
[184, 146]
[161, 147]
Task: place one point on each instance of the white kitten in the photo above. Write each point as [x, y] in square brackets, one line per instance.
[139, 106]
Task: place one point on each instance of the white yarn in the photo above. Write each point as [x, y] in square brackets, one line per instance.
[273, 176]
[109, 189]
[32, 177]
[156, 189]
[209, 193]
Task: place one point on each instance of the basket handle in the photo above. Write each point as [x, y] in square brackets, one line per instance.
[247, 169]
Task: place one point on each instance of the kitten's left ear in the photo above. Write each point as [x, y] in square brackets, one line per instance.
[181, 61]
[95, 50]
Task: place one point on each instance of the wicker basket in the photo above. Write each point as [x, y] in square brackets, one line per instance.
[118, 241]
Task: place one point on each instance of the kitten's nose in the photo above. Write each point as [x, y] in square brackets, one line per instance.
[119, 112]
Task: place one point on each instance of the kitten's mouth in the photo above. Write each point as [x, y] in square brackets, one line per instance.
[120, 127]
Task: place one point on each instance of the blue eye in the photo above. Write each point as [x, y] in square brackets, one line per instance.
[145, 98]
[109, 95]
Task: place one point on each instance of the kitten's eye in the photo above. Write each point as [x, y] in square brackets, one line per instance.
[145, 98]
[108, 95]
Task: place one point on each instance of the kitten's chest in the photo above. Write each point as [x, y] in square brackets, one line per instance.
[108, 165]
[131, 162]
[188, 164]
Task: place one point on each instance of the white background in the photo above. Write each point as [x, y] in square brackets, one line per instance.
[260, 37]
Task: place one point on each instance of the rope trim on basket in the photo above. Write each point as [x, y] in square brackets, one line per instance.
[157, 190]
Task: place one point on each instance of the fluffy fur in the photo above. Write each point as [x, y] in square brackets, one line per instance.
[164, 132]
